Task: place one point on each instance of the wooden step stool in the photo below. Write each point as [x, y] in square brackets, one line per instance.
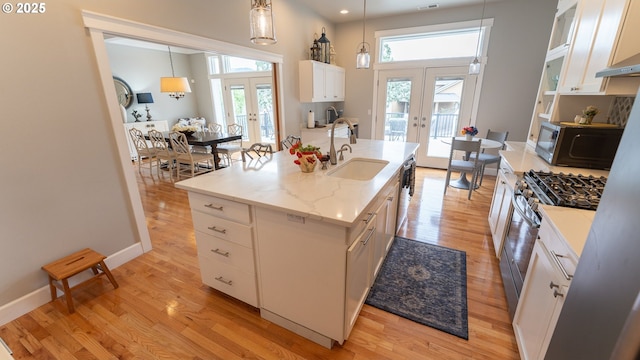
[61, 270]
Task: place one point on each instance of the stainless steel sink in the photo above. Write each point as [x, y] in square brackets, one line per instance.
[358, 169]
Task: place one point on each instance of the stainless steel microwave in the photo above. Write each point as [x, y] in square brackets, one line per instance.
[582, 146]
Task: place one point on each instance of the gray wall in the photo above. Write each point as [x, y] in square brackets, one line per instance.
[142, 69]
[519, 38]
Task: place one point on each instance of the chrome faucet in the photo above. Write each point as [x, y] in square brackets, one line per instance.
[352, 138]
[344, 148]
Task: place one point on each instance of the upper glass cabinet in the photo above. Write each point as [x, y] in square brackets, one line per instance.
[563, 27]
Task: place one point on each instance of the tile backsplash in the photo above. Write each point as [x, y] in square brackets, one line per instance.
[620, 110]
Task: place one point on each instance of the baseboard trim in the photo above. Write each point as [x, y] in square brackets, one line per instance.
[39, 297]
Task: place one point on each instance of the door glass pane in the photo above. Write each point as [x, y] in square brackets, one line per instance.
[445, 114]
[265, 113]
[239, 103]
[397, 109]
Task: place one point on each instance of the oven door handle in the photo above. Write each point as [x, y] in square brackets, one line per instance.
[522, 213]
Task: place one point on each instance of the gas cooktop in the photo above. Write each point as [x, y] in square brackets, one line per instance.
[569, 190]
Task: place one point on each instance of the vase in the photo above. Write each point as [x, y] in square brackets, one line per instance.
[468, 137]
[307, 161]
[587, 120]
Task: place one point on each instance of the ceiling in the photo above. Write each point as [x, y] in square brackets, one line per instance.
[330, 9]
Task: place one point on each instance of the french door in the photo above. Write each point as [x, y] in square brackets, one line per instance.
[426, 106]
[249, 103]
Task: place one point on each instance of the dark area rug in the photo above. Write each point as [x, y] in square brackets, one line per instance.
[424, 283]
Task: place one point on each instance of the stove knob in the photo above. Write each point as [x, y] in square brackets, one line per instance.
[528, 193]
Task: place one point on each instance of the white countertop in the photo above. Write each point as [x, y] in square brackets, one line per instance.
[572, 224]
[521, 157]
[279, 184]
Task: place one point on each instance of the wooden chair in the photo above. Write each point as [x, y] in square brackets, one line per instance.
[485, 159]
[214, 128]
[466, 165]
[143, 149]
[257, 149]
[183, 155]
[163, 151]
[226, 150]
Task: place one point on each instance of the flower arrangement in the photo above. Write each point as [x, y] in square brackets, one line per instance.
[306, 156]
[469, 130]
[590, 111]
[186, 129]
[136, 115]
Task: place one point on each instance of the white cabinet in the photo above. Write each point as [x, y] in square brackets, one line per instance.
[224, 238]
[320, 82]
[501, 209]
[386, 223]
[548, 278]
[144, 126]
[359, 277]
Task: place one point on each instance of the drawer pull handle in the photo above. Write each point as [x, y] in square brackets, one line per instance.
[220, 252]
[222, 280]
[372, 230]
[211, 206]
[369, 218]
[556, 293]
[556, 259]
[213, 228]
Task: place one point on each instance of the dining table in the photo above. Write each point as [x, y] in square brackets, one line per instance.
[462, 182]
[212, 139]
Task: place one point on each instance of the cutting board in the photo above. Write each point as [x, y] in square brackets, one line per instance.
[600, 125]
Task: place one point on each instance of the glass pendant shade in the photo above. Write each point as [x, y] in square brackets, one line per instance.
[474, 67]
[363, 59]
[261, 22]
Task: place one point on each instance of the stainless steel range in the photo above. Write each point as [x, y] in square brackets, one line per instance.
[558, 189]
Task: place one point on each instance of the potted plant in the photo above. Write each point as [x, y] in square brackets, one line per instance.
[306, 156]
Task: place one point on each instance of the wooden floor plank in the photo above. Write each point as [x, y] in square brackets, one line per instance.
[163, 311]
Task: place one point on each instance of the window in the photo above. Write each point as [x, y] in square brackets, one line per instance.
[219, 64]
[446, 41]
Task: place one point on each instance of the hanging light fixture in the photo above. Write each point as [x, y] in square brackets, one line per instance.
[474, 67]
[363, 58]
[175, 86]
[261, 22]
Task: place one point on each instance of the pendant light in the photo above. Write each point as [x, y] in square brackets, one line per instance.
[474, 67]
[261, 22]
[363, 59]
[175, 86]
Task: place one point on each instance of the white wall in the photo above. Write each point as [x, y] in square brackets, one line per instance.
[519, 37]
[63, 188]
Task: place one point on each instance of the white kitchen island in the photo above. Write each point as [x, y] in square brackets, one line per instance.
[302, 247]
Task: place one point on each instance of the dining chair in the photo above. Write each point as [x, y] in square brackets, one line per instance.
[485, 159]
[163, 151]
[214, 128]
[289, 141]
[465, 165]
[226, 150]
[183, 155]
[142, 148]
[257, 149]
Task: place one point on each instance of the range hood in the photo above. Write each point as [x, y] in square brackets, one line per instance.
[632, 70]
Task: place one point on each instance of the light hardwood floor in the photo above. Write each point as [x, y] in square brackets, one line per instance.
[163, 311]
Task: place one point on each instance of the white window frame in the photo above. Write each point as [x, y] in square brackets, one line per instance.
[487, 24]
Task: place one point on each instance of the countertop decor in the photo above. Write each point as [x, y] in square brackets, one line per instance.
[306, 156]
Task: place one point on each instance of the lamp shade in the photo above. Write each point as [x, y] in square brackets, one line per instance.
[144, 98]
[261, 22]
[174, 84]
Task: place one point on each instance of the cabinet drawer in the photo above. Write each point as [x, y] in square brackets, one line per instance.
[222, 228]
[220, 207]
[556, 244]
[229, 280]
[226, 252]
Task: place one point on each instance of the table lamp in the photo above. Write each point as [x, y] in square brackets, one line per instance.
[145, 98]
